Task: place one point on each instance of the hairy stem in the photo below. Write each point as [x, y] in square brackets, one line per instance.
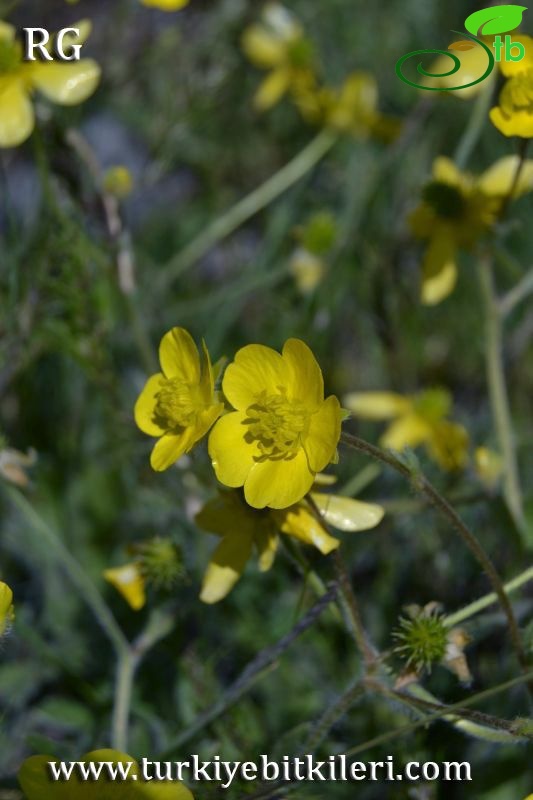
[426, 489]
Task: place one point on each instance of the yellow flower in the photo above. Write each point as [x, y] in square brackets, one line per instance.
[61, 82]
[6, 607]
[166, 5]
[118, 181]
[179, 404]
[457, 209]
[514, 114]
[307, 269]
[474, 62]
[416, 420]
[37, 783]
[488, 466]
[282, 431]
[129, 581]
[278, 44]
[244, 529]
[353, 109]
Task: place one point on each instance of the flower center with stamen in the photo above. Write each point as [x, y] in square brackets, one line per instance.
[447, 201]
[177, 403]
[517, 94]
[277, 425]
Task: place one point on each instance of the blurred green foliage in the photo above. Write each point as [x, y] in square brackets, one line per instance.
[175, 108]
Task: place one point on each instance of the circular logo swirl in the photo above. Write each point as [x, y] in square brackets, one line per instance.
[456, 67]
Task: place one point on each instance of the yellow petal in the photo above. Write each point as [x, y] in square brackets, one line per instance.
[129, 582]
[65, 84]
[347, 514]
[144, 411]
[408, 431]
[262, 48]
[323, 435]
[322, 479]
[377, 405]
[272, 89]
[266, 541]
[474, 63]
[520, 123]
[255, 369]
[445, 171]
[225, 513]
[16, 113]
[306, 381]
[439, 271]
[178, 356]
[300, 522]
[166, 5]
[231, 455]
[278, 484]
[498, 179]
[226, 567]
[205, 421]
[448, 444]
[6, 606]
[207, 380]
[169, 448]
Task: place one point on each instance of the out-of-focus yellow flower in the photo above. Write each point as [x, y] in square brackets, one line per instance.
[37, 783]
[129, 581]
[13, 465]
[166, 5]
[488, 466]
[353, 109]
[282, 431]
[457, 209]
[244, 529]
[179, 404]
[118, 181]
[474, 63]
[65, 83]
[307, 264]
[514, 114]
[307, 270]
[415, 420]
[7, 613]
[278, 44]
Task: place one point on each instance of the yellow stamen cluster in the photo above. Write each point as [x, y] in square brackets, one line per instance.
[277, 424]
[176, 405]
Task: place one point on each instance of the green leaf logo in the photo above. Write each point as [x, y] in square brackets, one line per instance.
[498, 19]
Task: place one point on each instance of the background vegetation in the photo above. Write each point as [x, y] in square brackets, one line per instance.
[82, 312]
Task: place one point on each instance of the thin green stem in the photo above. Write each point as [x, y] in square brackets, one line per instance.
[352, 612]
[333, 714]
[77, 575]
[259, 666]
[476, 126]
[498, 394]
[488, 600]
[280, 789]
[516, 295]
[159, 625]
[425, 488]
[126, 669]
[246, 208]
[428, 718]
